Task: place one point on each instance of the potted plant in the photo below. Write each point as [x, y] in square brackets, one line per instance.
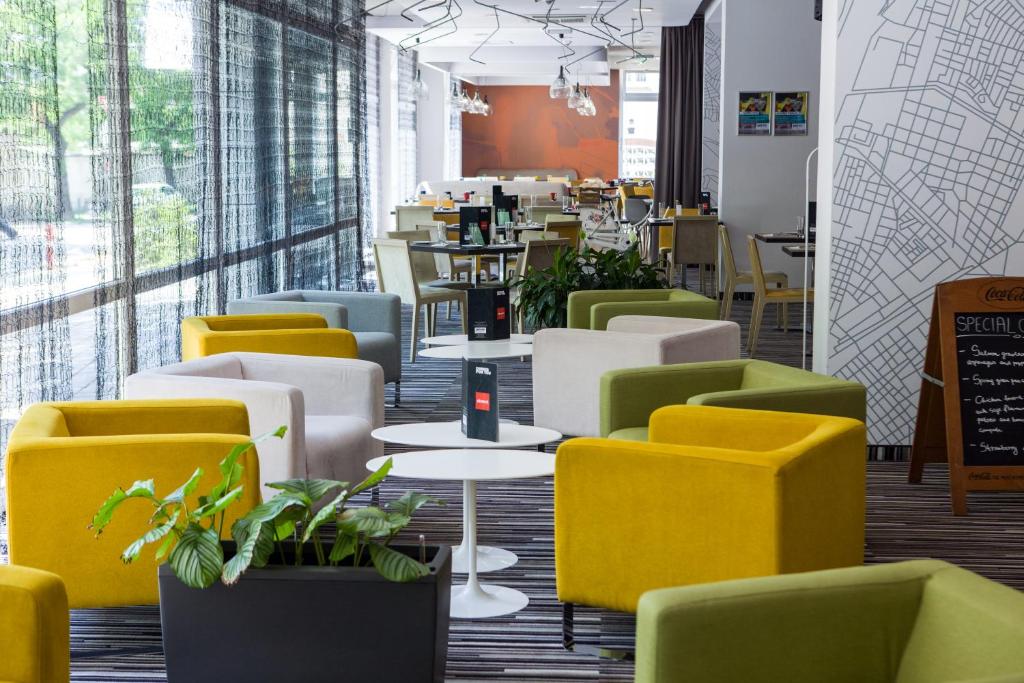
[307, 589]
[544, 294]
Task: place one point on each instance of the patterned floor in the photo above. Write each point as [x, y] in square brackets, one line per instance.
[903, 522]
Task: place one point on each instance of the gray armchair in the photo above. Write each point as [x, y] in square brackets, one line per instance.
[374, 318]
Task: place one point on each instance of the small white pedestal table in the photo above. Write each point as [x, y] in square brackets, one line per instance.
[480, 350]
[463, 339]
[473, 600]
[449, 435]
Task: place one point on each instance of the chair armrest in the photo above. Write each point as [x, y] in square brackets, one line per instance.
[580, 303]
[166, 415]
[329, 386]
[837, 625]
[630, 517]
[601, 313]
[36, 626]
[336, 315]
[269, 404]
[367, 312]
[714, 427]
[628, 397]
[302, 342]
[846, 399]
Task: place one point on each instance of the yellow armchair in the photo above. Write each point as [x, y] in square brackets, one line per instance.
[717, 493]
[65, 459]
[298, 334]
[34, 627]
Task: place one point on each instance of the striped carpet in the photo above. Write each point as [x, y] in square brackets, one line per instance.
[903, 522]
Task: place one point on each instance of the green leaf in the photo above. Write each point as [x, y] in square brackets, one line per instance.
[140, 489]
[255, 543]
[314, 489]
[164, 547]
[242, 532]
[374, 479]
[231, 471]
[410, 502]
[198, 558]
[394, 566]
[372, 522]
[187, 489]
[217, 506]
[326, 514]
[268, 511]
[344, 545]
[132, 551]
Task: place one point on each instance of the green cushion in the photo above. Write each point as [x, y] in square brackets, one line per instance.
[630, 434]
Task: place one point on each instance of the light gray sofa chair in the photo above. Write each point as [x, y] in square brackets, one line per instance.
[374, 318]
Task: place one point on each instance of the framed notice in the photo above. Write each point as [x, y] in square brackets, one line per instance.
[480, 400]
[755, 113]
[790, 113]
[971, 411]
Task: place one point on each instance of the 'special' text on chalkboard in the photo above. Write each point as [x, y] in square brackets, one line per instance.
[990, 360]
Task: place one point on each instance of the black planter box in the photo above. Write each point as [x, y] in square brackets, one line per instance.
[309, 624]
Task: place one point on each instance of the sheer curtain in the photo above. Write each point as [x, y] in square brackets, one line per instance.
[239, 167]
[407, 171]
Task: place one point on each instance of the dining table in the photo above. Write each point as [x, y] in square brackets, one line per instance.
[502, 251]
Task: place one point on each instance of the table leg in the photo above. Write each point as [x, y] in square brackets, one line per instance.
[488, 559]
[474, 600]
[502, 264]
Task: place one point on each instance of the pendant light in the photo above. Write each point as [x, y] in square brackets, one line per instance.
[454, 97]
[465, 104]
[477, 103]
[419, 87]
[486, 108]
[560, 88]
[588, 103]
[576, 98]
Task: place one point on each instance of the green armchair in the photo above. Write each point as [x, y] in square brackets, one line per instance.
[922, 621]
[628, 397]
[592, 309]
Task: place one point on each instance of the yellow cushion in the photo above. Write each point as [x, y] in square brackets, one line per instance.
[630, 434]
[716, 494]
[65, 459]
[34, 628]
[300, 334]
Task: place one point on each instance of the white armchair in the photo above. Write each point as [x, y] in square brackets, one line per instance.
[568, 363]
[329, 405]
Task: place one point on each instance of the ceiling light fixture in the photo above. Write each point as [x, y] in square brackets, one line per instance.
[419, 87]
[560, 88]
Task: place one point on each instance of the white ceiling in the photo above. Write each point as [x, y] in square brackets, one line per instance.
[528, 51]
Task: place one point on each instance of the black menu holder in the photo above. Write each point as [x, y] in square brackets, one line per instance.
[479, 216]
[480, 400]
[489, 314]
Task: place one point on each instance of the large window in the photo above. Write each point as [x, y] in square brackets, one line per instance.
[638, 120]
[158, 158]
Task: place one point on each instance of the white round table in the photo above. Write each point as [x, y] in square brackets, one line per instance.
[463, 339]
[449, 435]
[473, 600]
[491, 350]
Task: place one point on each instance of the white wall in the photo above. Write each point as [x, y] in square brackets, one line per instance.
[925, 175]
[766, 46]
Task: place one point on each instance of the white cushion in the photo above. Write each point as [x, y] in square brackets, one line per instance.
[338, 447]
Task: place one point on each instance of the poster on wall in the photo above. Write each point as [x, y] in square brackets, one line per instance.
[791, 113]
[754, 115]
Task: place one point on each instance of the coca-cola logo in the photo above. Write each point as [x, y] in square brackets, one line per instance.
[1008, 294]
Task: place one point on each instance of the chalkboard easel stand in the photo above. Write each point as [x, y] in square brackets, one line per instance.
[939, 432]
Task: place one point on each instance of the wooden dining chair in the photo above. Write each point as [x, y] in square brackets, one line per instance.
[764, 296]
[734, 277]
[567, 230]
[395, 275]
[408, 217]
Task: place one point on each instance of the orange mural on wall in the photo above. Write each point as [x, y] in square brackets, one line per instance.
[528, 129]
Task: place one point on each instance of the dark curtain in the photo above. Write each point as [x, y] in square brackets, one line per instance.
[677, 165]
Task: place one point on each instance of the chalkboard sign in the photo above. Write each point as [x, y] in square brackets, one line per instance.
[971, 410]
[990, 359]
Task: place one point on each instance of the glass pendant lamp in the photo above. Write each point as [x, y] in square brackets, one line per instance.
[419, 87]
[454, 98]
[465, 104]
[560, 88]
[486, 111]
[477, 103]
[576, 98]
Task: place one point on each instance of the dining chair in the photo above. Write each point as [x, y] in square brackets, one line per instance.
[395, 275]
[433, 270]
[408, 217]
[426, 200]
[734, 277]
[636, 210]
[539, 214]
[539, 255]
[448, 266]
[559, 217]
[764, 296]
[567, 230]
[695, 240]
